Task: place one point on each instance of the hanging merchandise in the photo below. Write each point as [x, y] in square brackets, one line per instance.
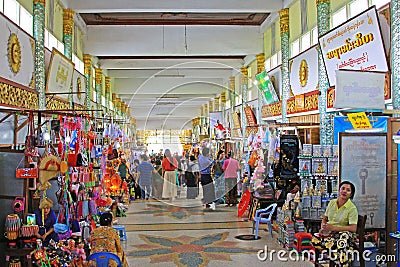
[19, 204]
[21, 172]
[30, 141]
[49, 167]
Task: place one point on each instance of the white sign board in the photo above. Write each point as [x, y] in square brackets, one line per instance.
[304, 72]
[355, 45]
[358, 89]
[60, 73]
[17, 50]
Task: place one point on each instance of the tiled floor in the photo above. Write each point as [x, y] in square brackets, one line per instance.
[182, 233]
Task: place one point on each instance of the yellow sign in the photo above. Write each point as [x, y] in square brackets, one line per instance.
[359, 120]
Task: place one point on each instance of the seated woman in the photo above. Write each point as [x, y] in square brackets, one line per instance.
[339, 225]
[45, 219]
[106, 239]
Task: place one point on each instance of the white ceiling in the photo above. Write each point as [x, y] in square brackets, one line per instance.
[167, 72]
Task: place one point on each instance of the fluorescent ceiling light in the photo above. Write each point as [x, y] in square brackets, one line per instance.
[169, 76]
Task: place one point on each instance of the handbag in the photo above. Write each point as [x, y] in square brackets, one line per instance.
[30, 140]
[19, 204]
[60, 228]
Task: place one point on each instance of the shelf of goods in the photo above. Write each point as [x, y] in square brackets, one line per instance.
[319, 179]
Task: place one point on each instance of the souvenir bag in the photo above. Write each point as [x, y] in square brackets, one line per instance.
[30, 141]
[19, 204]
[60, 228]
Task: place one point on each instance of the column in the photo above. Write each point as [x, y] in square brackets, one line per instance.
[395, 54]
[108, 92]
[68, 23]
[326, 127]
[99, 78]
[244, 80]
[114, 101]
[260, 68]
[38, 34]
[87, 60]
[216, 105]
[285, 51]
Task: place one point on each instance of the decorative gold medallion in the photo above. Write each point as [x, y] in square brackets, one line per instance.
[14, 53]
[303, 73]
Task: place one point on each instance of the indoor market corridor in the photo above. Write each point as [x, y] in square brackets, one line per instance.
[182, 233]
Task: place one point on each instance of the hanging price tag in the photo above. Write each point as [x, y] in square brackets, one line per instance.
[359, 120]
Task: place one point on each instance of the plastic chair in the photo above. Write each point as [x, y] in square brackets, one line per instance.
[102, 259]
[264, 216]
[121, 232]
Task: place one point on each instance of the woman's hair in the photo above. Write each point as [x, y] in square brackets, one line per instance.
[136, 161]
[106, 219]
[205, 151]
[192, 158]
[168, 155]
[353, 188]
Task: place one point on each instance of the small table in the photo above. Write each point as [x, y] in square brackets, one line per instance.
[312, 225]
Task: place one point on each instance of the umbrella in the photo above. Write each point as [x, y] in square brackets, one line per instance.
[244, 203]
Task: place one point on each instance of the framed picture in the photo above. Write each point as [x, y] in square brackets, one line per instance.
[362, 161]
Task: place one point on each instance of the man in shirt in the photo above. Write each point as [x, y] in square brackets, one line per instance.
[145, 170]
[207, 184]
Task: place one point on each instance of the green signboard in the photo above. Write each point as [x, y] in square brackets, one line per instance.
[266, 86]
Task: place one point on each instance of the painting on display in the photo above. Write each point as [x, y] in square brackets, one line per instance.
[362, 161]
[275, 76]
[355, 45]
[17, 49]
[60, 73]
[304, 72]
[78, 87]
[216, 123]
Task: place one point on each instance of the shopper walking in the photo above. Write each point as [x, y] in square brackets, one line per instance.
[205, 164]
[145, 171]
[192, 178]
[169, 165]
[231, 168]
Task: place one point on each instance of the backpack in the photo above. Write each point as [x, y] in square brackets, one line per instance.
[218, 167]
